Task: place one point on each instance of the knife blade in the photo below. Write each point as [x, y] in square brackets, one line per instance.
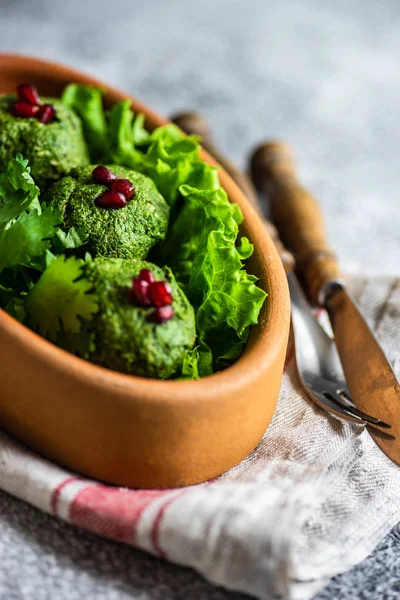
[298, 218]
[360, 353]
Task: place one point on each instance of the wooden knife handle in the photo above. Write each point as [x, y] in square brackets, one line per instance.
[296, 215]
[192, 122]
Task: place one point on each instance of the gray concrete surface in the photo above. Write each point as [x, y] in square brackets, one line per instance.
[324, 76]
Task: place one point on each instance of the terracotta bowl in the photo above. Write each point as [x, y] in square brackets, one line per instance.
[129, 430]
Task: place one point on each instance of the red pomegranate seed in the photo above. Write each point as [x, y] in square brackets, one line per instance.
[146, 275]
[163, 314]
[111, 199]
[103, 175]
[161, 293]
[125, 187]
[24, 110]
[140, 293]
[28, 93]
[46, 114]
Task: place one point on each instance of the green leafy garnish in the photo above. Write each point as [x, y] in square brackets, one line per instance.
[26, 227]
[120, 148]
[16, 308]
[87, 102]
[70, 240]
[18, 191]
[118, 136]
[201, 250]
[139, 133]
[28, 237]
[202, 245]
[197, 362]
[61, 298]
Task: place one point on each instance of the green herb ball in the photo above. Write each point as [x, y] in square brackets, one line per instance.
[125, 337]
[52, 149]
[128, 232]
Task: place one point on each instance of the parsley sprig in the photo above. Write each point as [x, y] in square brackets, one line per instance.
[40, 285]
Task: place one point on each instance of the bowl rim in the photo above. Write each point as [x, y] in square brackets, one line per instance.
[257, 355]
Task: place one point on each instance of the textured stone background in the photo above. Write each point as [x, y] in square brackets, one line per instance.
[324, 76]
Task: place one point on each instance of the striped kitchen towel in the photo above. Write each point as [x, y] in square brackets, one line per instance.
[314, 498]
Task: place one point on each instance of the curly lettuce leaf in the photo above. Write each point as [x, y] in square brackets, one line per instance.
[121, 148]
[201, 249]
[140, 134]
[197, 362]
[87, 102]
[172, 160]
[18, 191]
[245, 248]
[61, 298]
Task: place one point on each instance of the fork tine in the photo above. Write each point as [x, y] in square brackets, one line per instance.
[365, 417]
[380, 434]
[332, 407]
[356, 411]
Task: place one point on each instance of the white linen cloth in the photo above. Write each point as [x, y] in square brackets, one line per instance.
[313, 499]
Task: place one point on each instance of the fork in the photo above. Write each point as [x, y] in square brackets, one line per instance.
[317, 360]
[318, 363]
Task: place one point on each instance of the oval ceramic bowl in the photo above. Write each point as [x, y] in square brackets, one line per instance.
[129, 430]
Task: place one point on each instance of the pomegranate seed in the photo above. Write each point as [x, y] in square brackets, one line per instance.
[161, 293]
[125, 187]
[111, 199]
[163, 314]
[140, 293]
[24, 110]
[103, 175]
[28, 93]
[46, 114]
[146, 275]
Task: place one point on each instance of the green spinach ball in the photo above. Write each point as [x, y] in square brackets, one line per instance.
[129, 232]
[127, 337]
[52, 149]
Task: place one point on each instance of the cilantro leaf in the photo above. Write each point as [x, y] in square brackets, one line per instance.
[82, 343]
[16, 308]
[70, 240]
[61, 298]
[28, 237]
[18, 191]
[15, 283]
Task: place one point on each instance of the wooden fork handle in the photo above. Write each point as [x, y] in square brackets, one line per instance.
[195, 123]
[296, 215]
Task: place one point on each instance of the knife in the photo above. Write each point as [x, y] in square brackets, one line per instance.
[298, 218]
[195, 123]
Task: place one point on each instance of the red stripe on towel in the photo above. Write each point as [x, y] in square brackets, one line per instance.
[112, 512]
[155, 531]
[57, 491]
